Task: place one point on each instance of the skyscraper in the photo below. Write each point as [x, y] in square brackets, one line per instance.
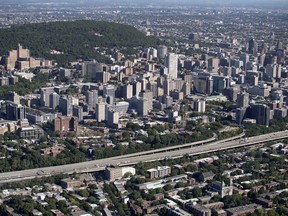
[162, 51]
[240, 115]
[65, 105]
[128, 91]
[252, 46]
[15, 111]
[45, 96]
[260, 112]
[100, 111]
[109, 93]
[91, 98]
[113, 118]
[78, 112]
[171, 62]
[243, 100]
[213, 64]
[54, 100]
[245, 58]
[200, 105]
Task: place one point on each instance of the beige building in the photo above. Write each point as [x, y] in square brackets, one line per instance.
[113, 174]
[22, 53]
[159, 172]
[34, 63]
[23, 57]
[23, 65]
[11, 59]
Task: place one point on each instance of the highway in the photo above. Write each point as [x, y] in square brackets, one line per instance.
[130, 159]
[182, 146]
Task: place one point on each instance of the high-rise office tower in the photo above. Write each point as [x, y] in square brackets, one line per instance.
[243, 100]
[113, 118]
[213, 64]
[136, 88]
[78, 112]
[109, 93]
[220, 83]
[200, 105]
[12, 96]
[260, 112]
[252, 46]
[147, 95]
[128, 91]
[91, 98]
[54, 100]
[245, 59]
[162, 51]
[171, 62]
[15, 111]
[240, 115]
[45, 96]
[100, 111]
[143, 107]
[65, 105]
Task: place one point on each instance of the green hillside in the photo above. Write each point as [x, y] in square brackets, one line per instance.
[76, 39]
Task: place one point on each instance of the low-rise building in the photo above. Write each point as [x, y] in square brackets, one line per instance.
[264, 202]
[159, 172]
[205, 176]
[222, 189]
[113, 174]
[31, 132]
[54, 150]
[241, 210]
[176, 211]
[198, 210]
[69, 183]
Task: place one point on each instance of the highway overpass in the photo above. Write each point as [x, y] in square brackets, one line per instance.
[130, 159]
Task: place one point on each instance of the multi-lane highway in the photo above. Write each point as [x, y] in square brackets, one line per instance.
[160, 154]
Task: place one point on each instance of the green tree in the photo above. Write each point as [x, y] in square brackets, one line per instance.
[197, 192]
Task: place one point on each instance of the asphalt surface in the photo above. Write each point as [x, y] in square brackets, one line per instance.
[195, 148]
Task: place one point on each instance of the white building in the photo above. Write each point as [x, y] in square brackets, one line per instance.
[100, 112]
[171, 62]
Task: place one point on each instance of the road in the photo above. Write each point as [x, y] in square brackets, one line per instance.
[97, 165]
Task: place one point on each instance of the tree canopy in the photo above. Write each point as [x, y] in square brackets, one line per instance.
[76, 39]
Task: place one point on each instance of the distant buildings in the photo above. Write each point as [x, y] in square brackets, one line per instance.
[95, 71]
[194, 36]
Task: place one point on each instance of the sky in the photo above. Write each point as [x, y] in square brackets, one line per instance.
[248, 3]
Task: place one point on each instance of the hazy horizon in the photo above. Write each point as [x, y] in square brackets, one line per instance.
[236, 3]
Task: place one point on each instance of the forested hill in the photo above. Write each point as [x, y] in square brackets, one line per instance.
[76, 39]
